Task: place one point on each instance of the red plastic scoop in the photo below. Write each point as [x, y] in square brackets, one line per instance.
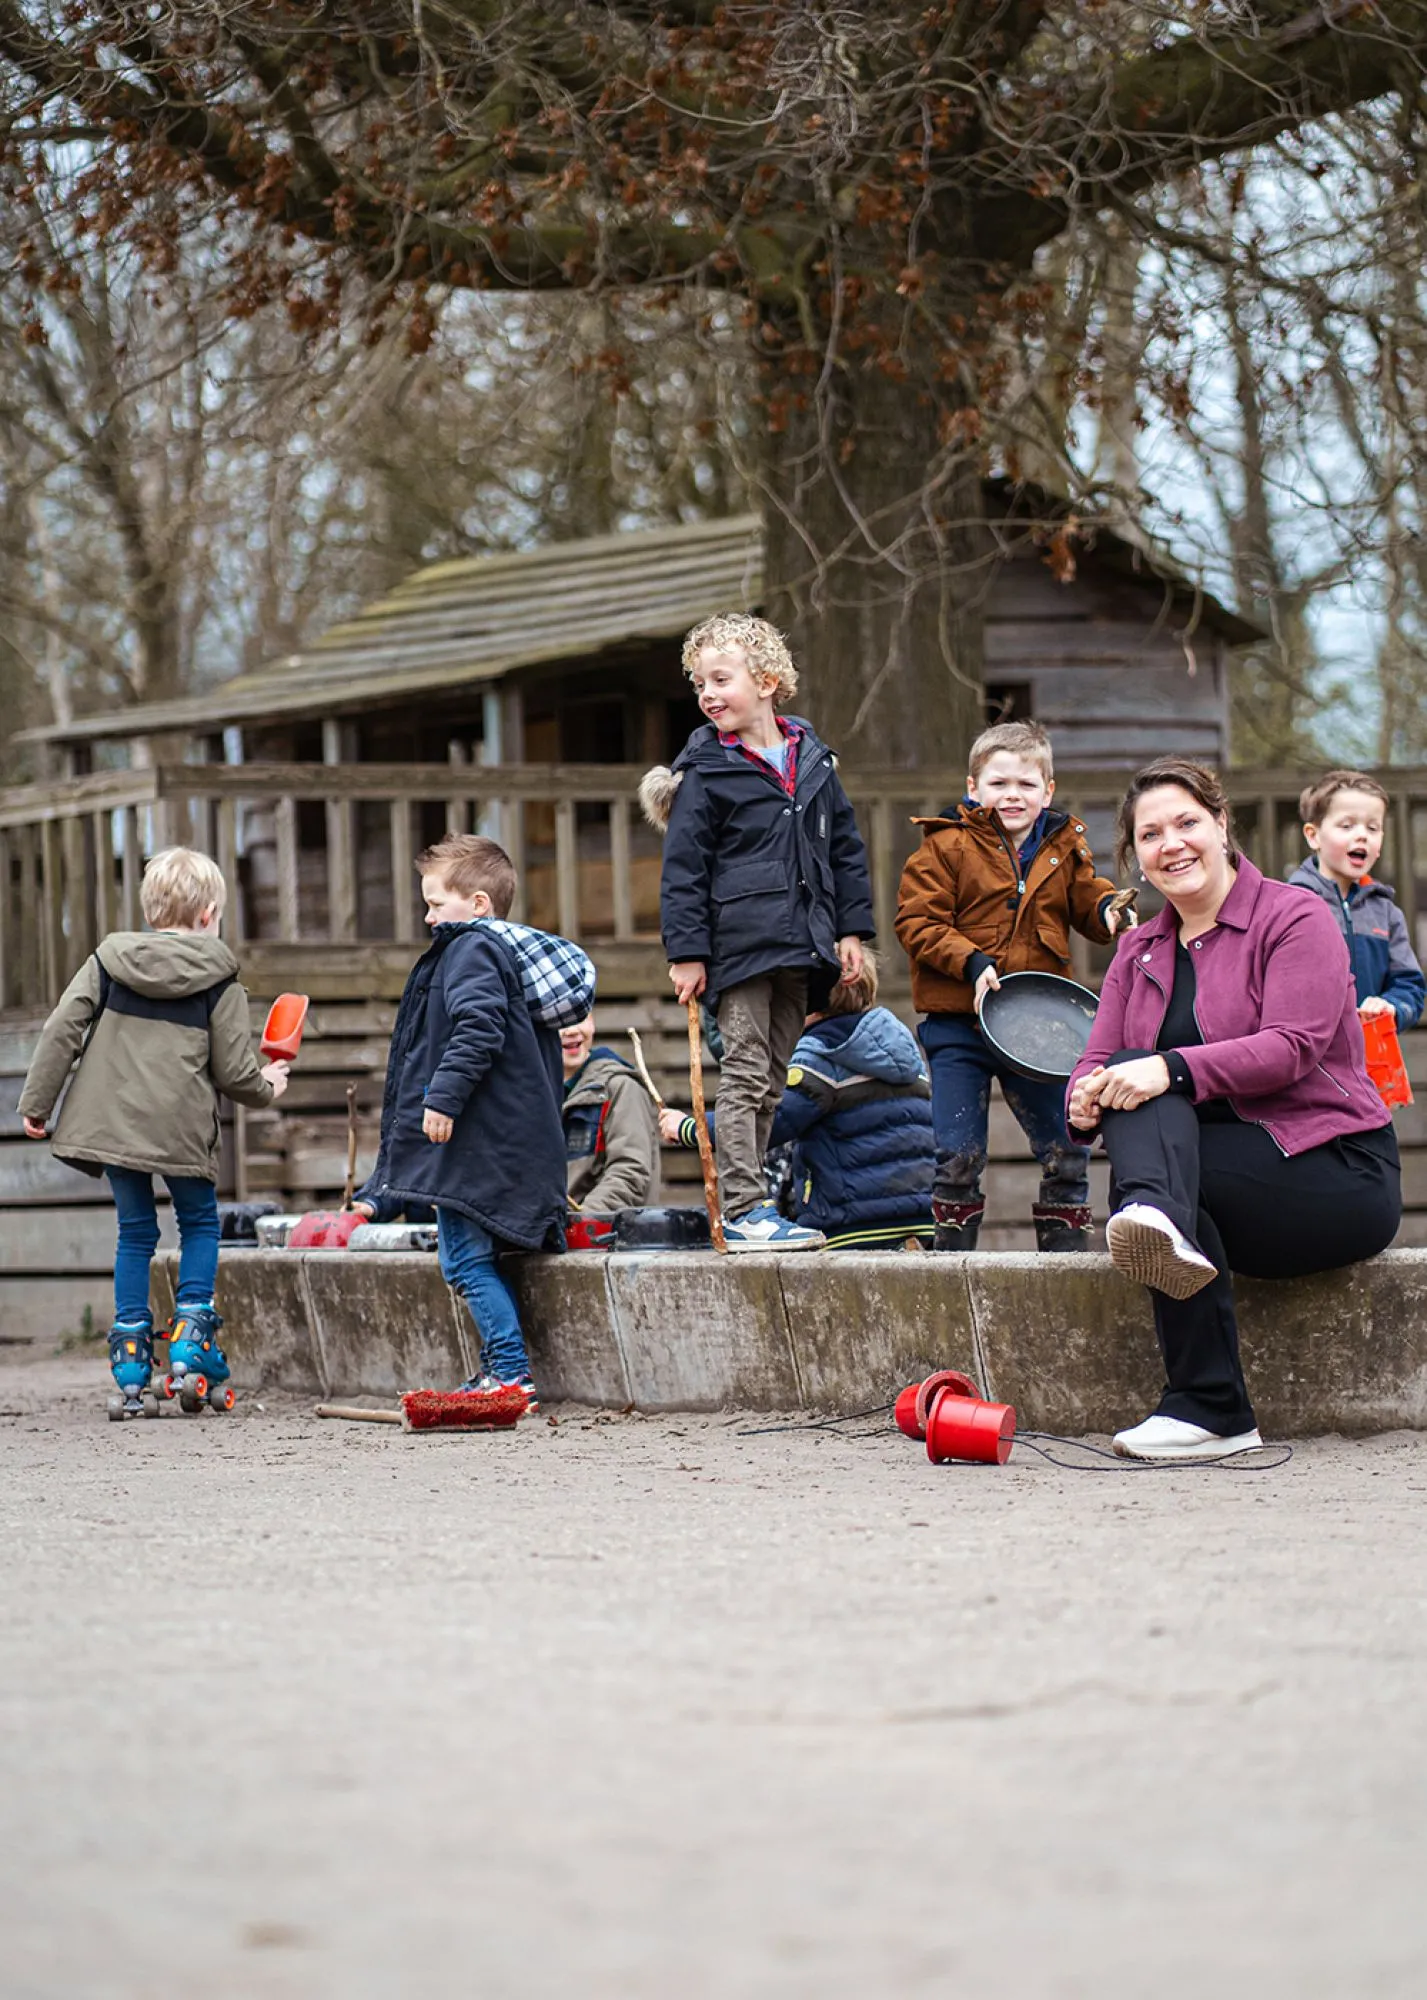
[282, 1031]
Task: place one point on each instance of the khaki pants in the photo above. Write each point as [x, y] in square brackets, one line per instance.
[760, 1022]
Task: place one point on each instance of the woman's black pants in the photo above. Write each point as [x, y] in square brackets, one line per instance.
[1250, 1210]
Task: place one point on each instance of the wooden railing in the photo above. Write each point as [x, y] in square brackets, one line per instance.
[323, 854]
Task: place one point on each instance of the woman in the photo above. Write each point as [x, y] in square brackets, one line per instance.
[1226, 1074]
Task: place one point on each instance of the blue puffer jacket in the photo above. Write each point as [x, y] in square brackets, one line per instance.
[1375, 932]
[857, 1110]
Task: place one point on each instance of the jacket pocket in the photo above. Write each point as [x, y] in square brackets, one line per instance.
[1334, 1081]
[1053, 941]
[758, 876]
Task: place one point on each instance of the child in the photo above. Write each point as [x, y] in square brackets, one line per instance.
[764, 898]
[1343, 816]
[857, 1115]
[611, 1133]
[994, 888]
[471, 1104]
[159, 1024]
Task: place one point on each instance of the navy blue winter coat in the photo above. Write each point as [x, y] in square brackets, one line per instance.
[1375, 931]
[857, 1114]
[755, 879]
[857, 1109]
[466, 1044]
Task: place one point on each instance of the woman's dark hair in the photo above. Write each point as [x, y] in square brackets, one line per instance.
[1202, 785]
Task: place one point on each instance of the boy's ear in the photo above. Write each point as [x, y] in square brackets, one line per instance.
[1049, 789]
[971, 791]
[1310, 834]
[480, 898]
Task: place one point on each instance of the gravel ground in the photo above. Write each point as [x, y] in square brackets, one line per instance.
[650, 1707]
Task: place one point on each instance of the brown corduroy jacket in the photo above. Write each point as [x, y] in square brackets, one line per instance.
[965, 900]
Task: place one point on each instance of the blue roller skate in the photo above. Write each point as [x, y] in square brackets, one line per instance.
[197, 1366]
[131, 1356]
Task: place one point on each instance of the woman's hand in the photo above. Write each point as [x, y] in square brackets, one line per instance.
[1084, 1112]
[35, 1128]
[690, 976]
[1126, 1086]
[1375, 1004]
[276, 1074]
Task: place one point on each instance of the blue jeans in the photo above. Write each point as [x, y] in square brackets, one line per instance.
[195, 1208]
[962, 1066]
[469, 1267]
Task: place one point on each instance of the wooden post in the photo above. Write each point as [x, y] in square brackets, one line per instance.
[51, 912]
[623, 883]
[567, 869]
[1404, 861]
[78, 896]
[338, 748]
[106, 900]
[458, 810]
[512, 820]
[30, 970]
[131, 870]
[285, 827]
[403, 911]
[235, 924]
[884, 893]
[7, 927]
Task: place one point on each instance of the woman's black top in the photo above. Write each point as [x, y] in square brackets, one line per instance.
[1180, 1030]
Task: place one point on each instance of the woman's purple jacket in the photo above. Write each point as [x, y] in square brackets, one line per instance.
[1275, 1005]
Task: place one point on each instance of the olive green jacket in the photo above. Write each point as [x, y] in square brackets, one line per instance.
[172, 1034]
[611, 1137]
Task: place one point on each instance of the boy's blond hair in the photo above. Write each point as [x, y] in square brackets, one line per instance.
[1021, 739]
[179, 885]
[470, 864]
[855, 996]
[761, 644]
[1317, 797]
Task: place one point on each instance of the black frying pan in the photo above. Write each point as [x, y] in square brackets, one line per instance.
[1038, 1024]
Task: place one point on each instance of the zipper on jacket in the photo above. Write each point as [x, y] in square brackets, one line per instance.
[1020, 902]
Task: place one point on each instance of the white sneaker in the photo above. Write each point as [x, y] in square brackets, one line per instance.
[1169, 1438]
[1146, 1246]
[764, 1229]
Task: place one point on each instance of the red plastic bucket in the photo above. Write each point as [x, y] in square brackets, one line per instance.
[282, 1031]
[910, 1408]
[325, 1229]
[590, 1232]
[965, 1427]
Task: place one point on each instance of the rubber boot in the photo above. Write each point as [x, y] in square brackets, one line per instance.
[131, 1358]
[958, 1223]
[1059, 1228]
[198, 1369]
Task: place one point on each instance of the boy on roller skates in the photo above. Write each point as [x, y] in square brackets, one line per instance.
[158, 1024]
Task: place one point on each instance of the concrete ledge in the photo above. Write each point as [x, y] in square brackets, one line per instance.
[1064, 1339]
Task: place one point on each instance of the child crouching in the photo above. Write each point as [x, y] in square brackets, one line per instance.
[159, 1025]
[857, 1115]
[471, 1104]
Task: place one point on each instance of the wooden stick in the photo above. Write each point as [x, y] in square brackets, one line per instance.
[701, 1126]
[351, 1187]
[352, 1413]
[643, 1067]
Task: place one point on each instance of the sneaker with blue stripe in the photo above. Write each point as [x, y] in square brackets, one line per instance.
[762, 1228]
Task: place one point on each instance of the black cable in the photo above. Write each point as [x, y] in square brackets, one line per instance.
[1036, 1441]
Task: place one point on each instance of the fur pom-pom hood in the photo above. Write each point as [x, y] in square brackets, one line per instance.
[656, 794]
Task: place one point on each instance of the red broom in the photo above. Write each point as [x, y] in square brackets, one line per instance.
[442, 1410]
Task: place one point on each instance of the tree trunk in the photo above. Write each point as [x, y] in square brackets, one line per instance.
[878, 564]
